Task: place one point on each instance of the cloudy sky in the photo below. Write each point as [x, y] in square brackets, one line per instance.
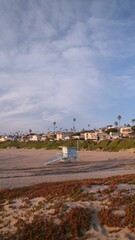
[65, 59]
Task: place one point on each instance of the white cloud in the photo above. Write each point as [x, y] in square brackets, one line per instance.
[59, 59]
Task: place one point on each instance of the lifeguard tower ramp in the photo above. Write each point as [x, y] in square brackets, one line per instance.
[53, 159]
[68, 154]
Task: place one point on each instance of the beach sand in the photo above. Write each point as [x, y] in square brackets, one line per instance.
[24, 167]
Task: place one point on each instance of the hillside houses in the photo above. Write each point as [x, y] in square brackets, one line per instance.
[110, 132]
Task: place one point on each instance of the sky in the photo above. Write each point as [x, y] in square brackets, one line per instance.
[65, 59]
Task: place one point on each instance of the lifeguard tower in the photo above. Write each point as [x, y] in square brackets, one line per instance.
[68, 154]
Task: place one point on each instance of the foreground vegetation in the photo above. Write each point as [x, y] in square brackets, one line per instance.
[105, 145]
[67, 210]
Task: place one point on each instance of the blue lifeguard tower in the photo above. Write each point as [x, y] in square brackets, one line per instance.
[68, 154]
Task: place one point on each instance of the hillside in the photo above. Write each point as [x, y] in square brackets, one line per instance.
[105, 145]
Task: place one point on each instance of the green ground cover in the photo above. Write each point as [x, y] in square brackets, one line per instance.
[105, 145]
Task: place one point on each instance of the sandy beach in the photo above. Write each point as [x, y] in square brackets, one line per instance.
[110, 219]
[24, 167]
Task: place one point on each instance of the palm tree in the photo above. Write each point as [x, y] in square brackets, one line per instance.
[116, 124]
[54, 124]
[74, 124]
[30, 131]
[119, 118]
[89, 126]
[133, 120]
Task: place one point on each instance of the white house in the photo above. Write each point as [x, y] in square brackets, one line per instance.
[33, 137]
[91, 135]
[114, 135]
[126, 131]
[42, 137]
[3, 138]
[63, 135]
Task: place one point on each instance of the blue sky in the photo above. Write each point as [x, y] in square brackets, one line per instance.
[65, 59]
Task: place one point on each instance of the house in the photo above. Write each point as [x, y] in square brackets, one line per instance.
[114, 135]
[32, 137]
[91, 135]
[103, 136]
[109, 127]
[42, 137]
[126, 131]
[78, 135]
[11, 138]
[51, 135]
[3, 138]
[21, 138]
[63, 135]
